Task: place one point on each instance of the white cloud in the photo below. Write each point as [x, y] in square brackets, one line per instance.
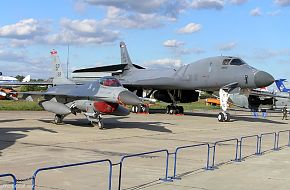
[20, 63]
[238, 2]
[87, 31]
[168, 8]
[122, 19]
[190, 51]
[189, 28]
[172, 43]
[282, 3]
[166, 62]
[274, 13]
[208, 4]
[256, 12]
[80, 6]
[24, 29]
[228, 46]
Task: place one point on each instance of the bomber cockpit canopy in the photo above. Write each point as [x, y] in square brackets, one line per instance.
[110, 81]
[233, 61]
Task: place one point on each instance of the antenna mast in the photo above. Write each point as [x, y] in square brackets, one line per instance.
[67, 61]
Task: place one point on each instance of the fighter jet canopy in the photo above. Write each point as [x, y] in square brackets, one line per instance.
[110, 81]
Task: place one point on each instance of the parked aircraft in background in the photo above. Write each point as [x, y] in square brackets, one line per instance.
[280, 85]
[104, 96]
[6, 87]
[258, 99]
[223, 73]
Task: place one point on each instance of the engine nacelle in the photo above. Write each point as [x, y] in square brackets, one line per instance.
[182, 96]
[55, 107]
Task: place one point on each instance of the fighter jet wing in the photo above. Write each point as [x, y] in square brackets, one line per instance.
[230, 86]
[26, 83]
[268, 94]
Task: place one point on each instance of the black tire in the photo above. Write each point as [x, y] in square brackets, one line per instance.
[221, 117]
[133, 109]
[228, 117]
[180, 109]
[168, 108]
[172, 110]
[58, 119]
[138, 109]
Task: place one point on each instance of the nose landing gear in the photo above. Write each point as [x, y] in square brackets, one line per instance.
[224, 115]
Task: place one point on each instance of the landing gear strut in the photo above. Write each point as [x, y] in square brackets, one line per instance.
[96, 119]
[224, 115]
[173, 108]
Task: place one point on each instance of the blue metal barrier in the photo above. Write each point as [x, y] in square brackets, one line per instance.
[278, 138]
[186, 147]
[142, 154]
[73, 165]
[214, 150]
[247, 137]
[13, 177]
[267, 134]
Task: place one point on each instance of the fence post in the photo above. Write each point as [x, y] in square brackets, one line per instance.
[13, 177]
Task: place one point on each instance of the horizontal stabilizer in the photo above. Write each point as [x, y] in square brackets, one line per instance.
[109, 68]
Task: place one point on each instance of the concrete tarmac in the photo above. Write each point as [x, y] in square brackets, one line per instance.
[29, 140]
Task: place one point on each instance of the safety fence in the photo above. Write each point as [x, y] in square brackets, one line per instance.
[74, 165]
[13, 184]
[238, 143]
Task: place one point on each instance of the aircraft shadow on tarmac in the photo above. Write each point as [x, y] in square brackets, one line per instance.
[8, 136]
[112, 123]
[9, 120]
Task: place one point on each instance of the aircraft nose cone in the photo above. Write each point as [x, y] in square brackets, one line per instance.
[129, 98]
[263, 79]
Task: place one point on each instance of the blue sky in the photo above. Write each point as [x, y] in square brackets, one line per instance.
[158, 33]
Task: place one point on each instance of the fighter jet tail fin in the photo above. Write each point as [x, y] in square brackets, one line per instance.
[125, 58]
[58, 77]
[280, 85]
[26, 79]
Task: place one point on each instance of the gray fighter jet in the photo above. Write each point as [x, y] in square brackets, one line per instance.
[223, 73]
[259, 99]
[104, 96]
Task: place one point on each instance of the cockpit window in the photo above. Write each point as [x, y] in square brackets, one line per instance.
[110, 81]
[226, 61]
[237, 62]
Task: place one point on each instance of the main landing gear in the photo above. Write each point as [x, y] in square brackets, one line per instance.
[173, 109]
[224, 115]
[96, 119]
[58, 119]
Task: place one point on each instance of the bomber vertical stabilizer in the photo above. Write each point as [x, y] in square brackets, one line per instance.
[125, 58]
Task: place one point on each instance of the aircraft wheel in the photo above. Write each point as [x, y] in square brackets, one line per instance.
[180, 109]
[133, 109]
[228, 117]
[58, 119]
[168, 108]
[138, 109]
[172, 110]
[99, 124]
[221, 117]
